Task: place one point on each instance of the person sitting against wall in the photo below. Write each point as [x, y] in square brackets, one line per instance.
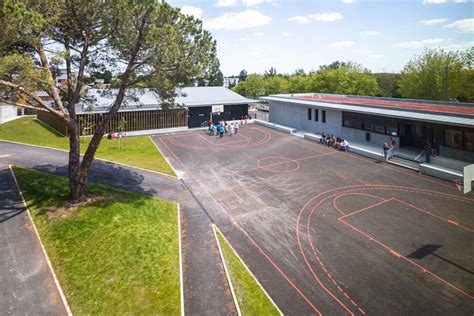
[344, 145]
[321, 140]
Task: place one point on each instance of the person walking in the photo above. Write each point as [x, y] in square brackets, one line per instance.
[236, 127]
[428, 151]
[385, 151]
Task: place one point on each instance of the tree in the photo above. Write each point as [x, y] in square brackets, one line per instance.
[252, 87]
[243, 75]
[270, 73]
[348, 78]
[388, 85]
[151, 42]
[424, 77]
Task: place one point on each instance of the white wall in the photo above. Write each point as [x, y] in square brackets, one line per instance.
[7, 112]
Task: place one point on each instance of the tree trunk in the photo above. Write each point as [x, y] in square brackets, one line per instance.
[77, 178]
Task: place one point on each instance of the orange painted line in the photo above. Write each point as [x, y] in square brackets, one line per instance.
[434, 215]
[423, 269]
[351, 193]
[366, 208]
[292, 284]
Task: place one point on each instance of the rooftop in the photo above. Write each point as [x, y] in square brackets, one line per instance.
[459, 114]
[100, 100]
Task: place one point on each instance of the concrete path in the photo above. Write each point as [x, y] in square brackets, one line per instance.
[206, 291]
[26, 284]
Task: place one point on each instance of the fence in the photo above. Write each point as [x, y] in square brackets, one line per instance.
[125, 121]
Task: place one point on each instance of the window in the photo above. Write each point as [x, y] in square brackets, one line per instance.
[454, 138]
[469, 140]
[323, 116]
[316, 115]
[309, 113]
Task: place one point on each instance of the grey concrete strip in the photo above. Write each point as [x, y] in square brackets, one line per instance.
[27, 286]
[206, 291]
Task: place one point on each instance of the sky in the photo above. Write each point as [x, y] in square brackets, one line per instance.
[382, 35]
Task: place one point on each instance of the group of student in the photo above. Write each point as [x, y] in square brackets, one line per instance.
[222, 127]
[332, 141]
[111, 135]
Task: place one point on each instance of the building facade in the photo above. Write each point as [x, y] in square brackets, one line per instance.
[448, 126]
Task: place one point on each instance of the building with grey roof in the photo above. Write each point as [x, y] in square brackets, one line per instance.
[449, 126]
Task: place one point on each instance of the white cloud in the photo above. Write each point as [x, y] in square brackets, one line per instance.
[258, 34]
[237, 20]
[458, 46]
[348, 1]
[434, 21]
[286, 34]
[445, 1]
[257, 52]
[343, 44]
[226, 3]
[370, 33]
[320, 17]
[433, 41]
[419, 44]
[465, 26]
[190, 10]
[251, 3]
[299, 19]
[327, 17]
[375, 56]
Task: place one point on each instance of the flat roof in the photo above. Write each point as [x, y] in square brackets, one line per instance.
[427, 111]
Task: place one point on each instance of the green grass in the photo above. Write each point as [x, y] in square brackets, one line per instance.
[115, 254]
[136, 151]
[252, 299]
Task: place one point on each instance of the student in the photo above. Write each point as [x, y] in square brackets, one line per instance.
[211, 129]
[210, 123]
[385, 151]
[428, 151]
[109, 135]
[236, 127]
[232, 129]
[221, 131]
[344, 145]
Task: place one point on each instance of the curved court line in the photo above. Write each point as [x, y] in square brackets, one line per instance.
[223, 147]
[358, 188]
[334, 202]
[292, 284]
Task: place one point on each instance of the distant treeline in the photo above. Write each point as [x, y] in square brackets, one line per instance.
[423, 77]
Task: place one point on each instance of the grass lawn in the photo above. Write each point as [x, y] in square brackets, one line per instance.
[115, 254]
[252, 299]
[136, 151]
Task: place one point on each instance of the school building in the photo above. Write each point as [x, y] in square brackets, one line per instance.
[142, 111]
[449, 126]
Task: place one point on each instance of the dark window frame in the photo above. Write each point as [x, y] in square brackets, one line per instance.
[316, 115]
[323, 116]
[310, 111]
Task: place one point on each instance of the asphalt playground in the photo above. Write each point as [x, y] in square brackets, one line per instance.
[330, 232]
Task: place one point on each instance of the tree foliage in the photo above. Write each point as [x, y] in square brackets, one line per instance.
[424, 77]
[147, 43]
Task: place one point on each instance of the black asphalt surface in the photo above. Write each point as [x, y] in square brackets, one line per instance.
[27, 286]
[329, 232]
[206, 291]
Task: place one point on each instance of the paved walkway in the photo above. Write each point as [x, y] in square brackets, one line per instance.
[206, 291]
[27, 286]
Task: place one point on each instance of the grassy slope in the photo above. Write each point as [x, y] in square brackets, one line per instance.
[135, 151]
[252, 300]
[118, 254]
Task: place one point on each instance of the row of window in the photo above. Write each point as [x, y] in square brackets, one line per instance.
[370, 124]
[316, 115]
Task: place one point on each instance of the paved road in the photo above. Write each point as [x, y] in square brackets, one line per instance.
[206, 291]
[27, 286]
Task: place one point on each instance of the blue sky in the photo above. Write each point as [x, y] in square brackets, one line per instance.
[382, 35]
